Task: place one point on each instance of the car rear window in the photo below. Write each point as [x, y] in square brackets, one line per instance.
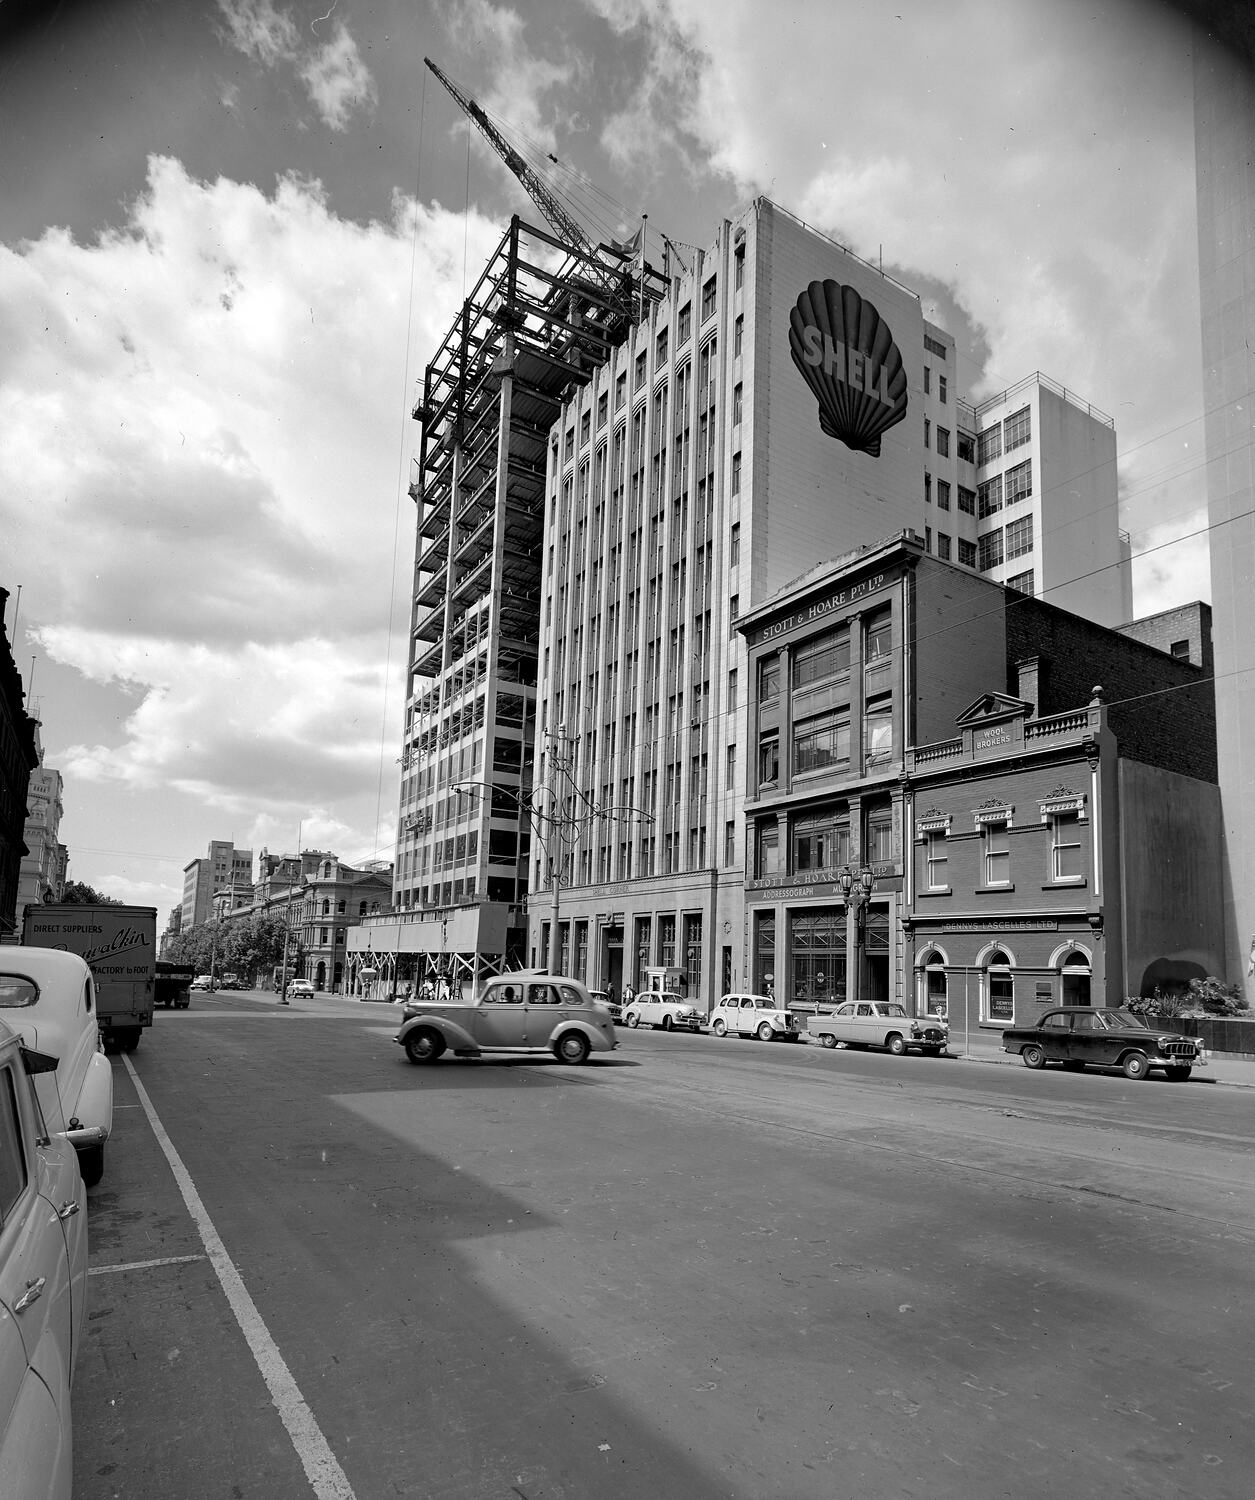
[570, 995]
[16, 993]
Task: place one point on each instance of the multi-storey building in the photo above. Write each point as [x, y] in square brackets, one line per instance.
[42, 875]
[19, 757]
[784, 401]
[1020, 827]
[223, 867]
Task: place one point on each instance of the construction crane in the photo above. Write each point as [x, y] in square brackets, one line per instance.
[616, 284]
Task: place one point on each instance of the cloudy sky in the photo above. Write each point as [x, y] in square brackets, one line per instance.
[233, 231]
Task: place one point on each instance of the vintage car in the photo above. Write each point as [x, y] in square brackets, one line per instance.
[615, 1007]
[1080, 1036]
[301, 988]
[662, 1008]
[48, 998]
[754, 1015]
[203, 982]
[879, 1023]
[522, 1012]
[43, 1281]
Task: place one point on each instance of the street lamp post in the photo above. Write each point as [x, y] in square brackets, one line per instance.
[857, 886]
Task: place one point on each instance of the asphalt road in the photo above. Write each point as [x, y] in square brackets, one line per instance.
[692, 1269]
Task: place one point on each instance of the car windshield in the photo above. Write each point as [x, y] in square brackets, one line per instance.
[891, 1010]
[1115, 1020]
[17, 993]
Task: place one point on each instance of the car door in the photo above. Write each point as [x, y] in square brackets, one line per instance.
[540, 1014]
[864, 1025]
[1056, 1035]
[501, 1017]
[843, 1022]
[1087, 1039]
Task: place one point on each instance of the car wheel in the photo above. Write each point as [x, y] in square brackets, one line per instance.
[720, 1027]
[91, 1164]
[572, 1047]
[633, 1020]
[1033, 1056]
[1177, 1075]
[666, 1023]
[896, 1044]
[131, 1040]
[826, 1039]
[766, 1031]
[424, 1045]
[1135, 1066]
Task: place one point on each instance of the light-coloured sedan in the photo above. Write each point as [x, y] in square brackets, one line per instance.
[49, 999]
[521, 1012]
[754, 1015]
[43, 1282]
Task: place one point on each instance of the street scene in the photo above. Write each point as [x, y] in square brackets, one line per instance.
[627, 864]
[694, 1267]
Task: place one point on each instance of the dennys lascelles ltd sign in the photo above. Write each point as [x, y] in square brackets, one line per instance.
[846, 354]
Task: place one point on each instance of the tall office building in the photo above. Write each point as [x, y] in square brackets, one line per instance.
[783, 403]
[222, 869]
[1224, 134]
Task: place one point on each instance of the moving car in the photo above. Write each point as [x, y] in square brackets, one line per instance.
[615, 1007]
[662, 1008]
[880, 1023]
[43, 1280]
[754, 1015]
[202, 982]
[524, 1012]
[301, 988]
[1081, 1036]
[49, 999]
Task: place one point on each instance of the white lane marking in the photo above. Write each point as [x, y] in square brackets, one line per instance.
[327, 1479]
[145, 1265]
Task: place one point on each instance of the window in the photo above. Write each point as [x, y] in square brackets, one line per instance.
[999, 988]
[967, 500]
[768, 678]
[737, 403]
[729, 775]
[943, 494]
[1022, 583]
[1019, 482]
[734, 607]
[990, 549]
[568, 447]
[736, 473]
[996, 853]
[1019, 537]
[967, 553]
[768, 848]
[641, 362]
[738, 338]
[935, 346]
[928, 539]
[943, 546]
[878, 733]
[821, 840]
[936, 862]
[967, 447]
[603, 408]
[928, 427]
[943, 441]
[989, 445]
[941, 389]
[934, 972]
[708, 299]
[684, 324]
[734, 544]
[1075, 973]
[13, 1177]
[928, 380]
[880, 845]
[732, 688]
[1017, 429]
[989, 496]
[1067, 852]
[729, 843]
[821, 741]
[769, 758]
[822, 656]
[620, 391]
[738, 270]
[660, 347]
[818, 956]
[928, 487]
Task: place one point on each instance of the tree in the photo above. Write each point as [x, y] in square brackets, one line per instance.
[78, 893]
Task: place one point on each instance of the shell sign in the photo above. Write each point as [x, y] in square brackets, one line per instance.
[846, 354]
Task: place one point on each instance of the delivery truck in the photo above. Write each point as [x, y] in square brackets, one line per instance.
[119, 945]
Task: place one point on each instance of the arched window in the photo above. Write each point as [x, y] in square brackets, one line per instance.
[326, 906]
[340, 906]
[933, 991]
[999, 987]
[1075, 970]
[361, 909]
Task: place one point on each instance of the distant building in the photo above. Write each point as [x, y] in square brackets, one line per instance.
[43, 865]
[223, 867]
[19, 757]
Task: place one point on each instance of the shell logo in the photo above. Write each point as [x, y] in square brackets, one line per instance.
[846, 354]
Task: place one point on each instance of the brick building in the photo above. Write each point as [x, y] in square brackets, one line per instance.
[1043, 836]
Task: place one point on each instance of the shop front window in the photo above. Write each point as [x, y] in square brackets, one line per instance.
[817, 970]
[935, 996]
[764, 952]
[1076, 979]
[999, 988]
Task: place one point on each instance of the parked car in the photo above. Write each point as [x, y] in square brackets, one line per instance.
[880, 1023]
[202, 982]
[49, 999]
[1081, 1036]
[754, 1015]
[301, 988]
[662, 1008]
[43, 1277]
[523, 1012]
[615, 1007]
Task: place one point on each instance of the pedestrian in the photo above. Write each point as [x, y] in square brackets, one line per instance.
[629, 993]
[610, 993]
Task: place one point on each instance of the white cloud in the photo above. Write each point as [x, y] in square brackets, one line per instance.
[202, 481]
[335, 77]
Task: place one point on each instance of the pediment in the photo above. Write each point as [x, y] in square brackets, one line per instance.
[993, 708]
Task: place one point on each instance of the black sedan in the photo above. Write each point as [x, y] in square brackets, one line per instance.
[1080, 1035]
